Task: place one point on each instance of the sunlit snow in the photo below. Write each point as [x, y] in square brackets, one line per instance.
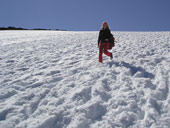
[52, 79]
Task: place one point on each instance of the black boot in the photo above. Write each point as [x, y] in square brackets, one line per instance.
[111, 57]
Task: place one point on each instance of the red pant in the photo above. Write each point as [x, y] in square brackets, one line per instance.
[103, 47]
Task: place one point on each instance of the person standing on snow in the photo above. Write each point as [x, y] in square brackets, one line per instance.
[104, 41]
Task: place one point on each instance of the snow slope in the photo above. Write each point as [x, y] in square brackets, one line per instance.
[51, 79]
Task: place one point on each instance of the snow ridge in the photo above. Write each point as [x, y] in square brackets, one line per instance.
[52, 79]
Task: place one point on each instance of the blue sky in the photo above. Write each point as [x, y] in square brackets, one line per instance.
[87, 15]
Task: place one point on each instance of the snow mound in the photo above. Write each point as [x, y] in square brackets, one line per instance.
[52, 79]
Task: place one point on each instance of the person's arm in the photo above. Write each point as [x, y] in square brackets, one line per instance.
[111, 35]
[99, 39]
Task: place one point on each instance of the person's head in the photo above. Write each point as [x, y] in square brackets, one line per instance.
[105, 25]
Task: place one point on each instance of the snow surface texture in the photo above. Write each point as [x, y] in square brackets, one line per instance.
[52, 79]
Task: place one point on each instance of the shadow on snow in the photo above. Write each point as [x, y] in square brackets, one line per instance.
[133, 69]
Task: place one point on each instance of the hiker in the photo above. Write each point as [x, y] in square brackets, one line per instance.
[105, 41]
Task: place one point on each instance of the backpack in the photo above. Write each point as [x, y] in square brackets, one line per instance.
[112, 42]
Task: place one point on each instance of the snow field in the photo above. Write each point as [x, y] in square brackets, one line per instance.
[53, 79]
